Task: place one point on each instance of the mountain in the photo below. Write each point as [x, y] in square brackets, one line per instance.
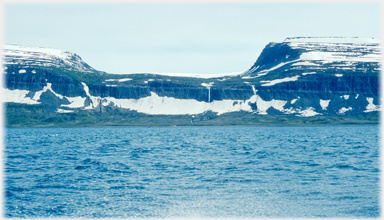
[331, 75]
[298, 81]
[43, 57]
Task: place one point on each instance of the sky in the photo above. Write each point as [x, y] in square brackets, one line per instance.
[203, 38]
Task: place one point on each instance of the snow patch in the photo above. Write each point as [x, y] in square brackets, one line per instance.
[346, 97]
[290, 111]
[276, 81]
[277, 66]
[94, 100]
[372, 107]
[263, 106]
[249, 77]
[343, 110]
[124, 80]
[324, 104]
[76, 102]
[308, 112]
[64, 111]
[208, 85]
[18, 96]
[305, 63]
[118, 80]
[45, 88]
[310, 73]
[340, 56]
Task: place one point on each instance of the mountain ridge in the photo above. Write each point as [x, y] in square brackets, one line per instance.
[42, 56]
[304, 79]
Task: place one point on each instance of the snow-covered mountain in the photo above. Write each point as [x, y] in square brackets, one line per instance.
[302, 77]
[316, 54]
[43, 57]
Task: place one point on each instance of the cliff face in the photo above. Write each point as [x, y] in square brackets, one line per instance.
[300, 77]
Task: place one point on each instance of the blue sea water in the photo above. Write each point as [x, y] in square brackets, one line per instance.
[160, 172]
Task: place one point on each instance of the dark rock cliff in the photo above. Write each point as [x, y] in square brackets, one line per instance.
[304, 76]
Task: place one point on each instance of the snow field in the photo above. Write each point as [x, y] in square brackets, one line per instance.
[18, 96]
[156, 105]
[17, 50]
[340, 56]
[344, 40]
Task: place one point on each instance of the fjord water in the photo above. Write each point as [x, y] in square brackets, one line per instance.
[253, 172]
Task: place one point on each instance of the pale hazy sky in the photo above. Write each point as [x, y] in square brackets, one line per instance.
[180, 38]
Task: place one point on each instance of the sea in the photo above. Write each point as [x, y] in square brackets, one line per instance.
[192, 172]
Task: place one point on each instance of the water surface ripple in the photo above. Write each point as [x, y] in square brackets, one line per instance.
[307, 171]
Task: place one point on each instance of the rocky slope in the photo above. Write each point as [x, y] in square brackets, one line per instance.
[301, 77]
